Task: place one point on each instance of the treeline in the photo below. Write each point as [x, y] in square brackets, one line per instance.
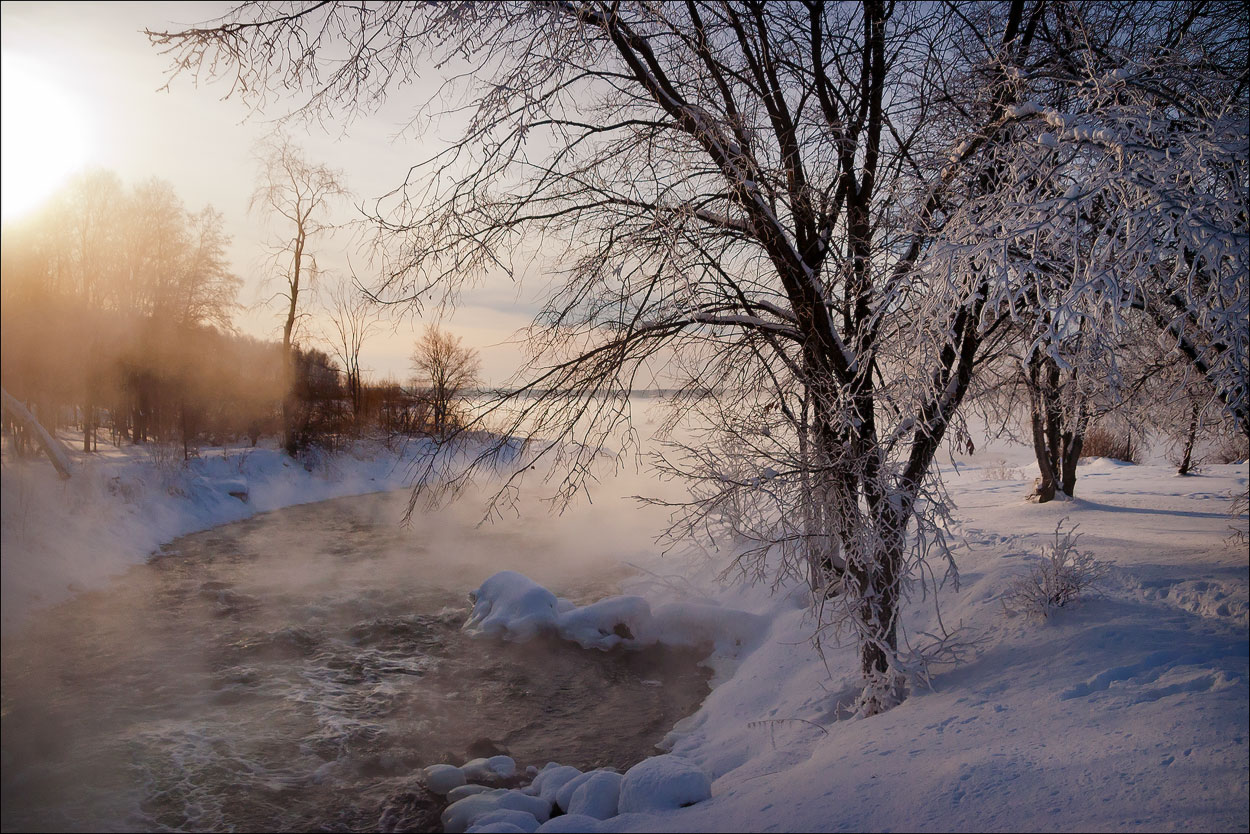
[116, 307]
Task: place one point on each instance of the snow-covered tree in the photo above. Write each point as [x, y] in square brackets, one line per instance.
[1133, 191]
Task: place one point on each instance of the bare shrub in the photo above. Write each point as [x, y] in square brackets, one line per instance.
[1062, 575]
[1102, 442]
[1238, 506]
[167, 458]
[1233, 449]
[1000, 471]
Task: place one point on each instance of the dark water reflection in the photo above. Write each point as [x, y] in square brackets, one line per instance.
[293, 671]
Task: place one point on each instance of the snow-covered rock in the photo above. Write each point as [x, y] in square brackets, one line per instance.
[502, 827]
[441, 778]
[597, 795]
[457, 794]
[663, 783]
[512, 606]
[609, 622]
[551, 779]
[489, 769]
[571, 823]
[459, 816]
[565, 794]
[694, 624]
[504, 820]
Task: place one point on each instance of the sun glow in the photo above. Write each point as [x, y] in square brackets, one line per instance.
[44, 136]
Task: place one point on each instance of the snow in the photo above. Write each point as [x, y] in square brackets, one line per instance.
[443, 778]
[1126, 711]
[596, 795]
[511, 606]
[663, 783]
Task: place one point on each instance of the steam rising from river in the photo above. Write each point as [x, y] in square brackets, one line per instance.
[293, 671]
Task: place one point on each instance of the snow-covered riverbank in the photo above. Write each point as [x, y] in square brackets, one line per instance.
[61, 537]
[1127, 711]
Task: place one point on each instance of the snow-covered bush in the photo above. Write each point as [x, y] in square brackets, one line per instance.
[1063, 575]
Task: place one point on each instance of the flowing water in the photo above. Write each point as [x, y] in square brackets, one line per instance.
[294, 671]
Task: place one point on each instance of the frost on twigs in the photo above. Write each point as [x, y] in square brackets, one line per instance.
[1238, 507]
[1063, 575]
[882, 691]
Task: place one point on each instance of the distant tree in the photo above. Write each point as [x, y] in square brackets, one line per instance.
[316, 399]
[207, 291]
[177, 282]
[296, 193]
[354, 316]
[446, 369]
[91, 209]
[113, 299]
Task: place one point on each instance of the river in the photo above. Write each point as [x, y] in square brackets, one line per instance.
[295, 670]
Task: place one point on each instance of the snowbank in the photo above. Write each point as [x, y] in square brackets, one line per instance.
[511, 606]
[61, 537]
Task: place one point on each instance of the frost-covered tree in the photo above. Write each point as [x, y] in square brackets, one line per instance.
[1133, 190]
[820, 217]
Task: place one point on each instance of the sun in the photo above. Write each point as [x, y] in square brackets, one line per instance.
[44, 136]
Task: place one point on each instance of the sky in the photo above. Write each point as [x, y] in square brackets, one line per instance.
[82, 88]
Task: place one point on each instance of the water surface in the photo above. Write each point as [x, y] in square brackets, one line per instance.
[293, 671]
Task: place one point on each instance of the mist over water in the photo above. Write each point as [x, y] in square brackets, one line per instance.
[293, 672]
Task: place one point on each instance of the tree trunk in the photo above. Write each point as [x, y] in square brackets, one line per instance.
[1073, 442]
[1047, 483]
[50, 445]
[88, 426]
[289, 406]
[1190, 438]
[186, 441]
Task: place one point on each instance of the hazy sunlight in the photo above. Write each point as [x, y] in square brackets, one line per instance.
[44, 136]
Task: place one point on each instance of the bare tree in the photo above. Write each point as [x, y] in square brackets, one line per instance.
[354, 316]
[446, 369]
[809, 206]
[298, 194]
[90, 210]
